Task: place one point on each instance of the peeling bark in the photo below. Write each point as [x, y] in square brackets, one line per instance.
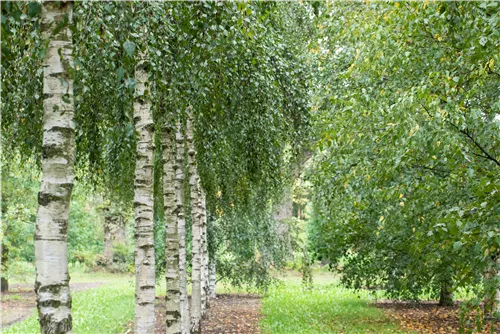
[58, 156]
[172, 299]
[195, 194]
[143, 205]
[181, 224]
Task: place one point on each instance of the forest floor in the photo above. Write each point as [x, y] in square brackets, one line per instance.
[430, 318]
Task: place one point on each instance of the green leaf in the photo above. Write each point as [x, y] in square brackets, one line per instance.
[34, 8]
[129, 48]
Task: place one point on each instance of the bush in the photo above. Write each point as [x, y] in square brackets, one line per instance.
[88, 258]
[122, 253]
[19, 271]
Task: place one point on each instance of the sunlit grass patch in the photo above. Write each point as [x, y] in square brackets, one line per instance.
[101, 310]
[326, 308]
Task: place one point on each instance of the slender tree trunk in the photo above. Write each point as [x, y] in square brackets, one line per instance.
[58, 156]
[114, 233]
[5, 265]
[202, 250]
[496, 303]
[446, 294]
[143, 205]
[4, 251]
[108, 246]
[206, 275]
[212, 276]
[179, 191]
[196, 232]
[172, 299]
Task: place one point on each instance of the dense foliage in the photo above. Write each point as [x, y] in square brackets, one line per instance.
[406, 177]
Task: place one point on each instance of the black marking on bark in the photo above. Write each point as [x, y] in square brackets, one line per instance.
[63, 223]
[150, 127]
[45, 198]
[66, 131]
[145, 287]
[49, 326]
[52, 288]
[51, 151]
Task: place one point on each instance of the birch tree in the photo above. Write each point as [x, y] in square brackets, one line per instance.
[170, 169]
[143, 203]
[195, 194]
[58, 155]
[179, 192]
[212, 280]
[203, 250]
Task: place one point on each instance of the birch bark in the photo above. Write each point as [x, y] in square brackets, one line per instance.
[497, 293]
[143, 205]
[181, 223]
[58, 156]
[172, 299]
[204, 260]
[212, 276]
[196, 232]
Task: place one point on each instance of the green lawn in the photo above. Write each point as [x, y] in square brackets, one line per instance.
[287, 308]
[102, 310]
[327, 308]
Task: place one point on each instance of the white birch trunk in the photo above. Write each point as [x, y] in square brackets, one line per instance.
[181, 223]
[143, 205]
[58, 156]
[212, 282]
[496, 308]
[204, 271]
[196, 232]
[172, 299]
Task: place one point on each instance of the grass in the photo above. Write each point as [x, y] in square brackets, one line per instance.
[326, 308]
[102, 310]
[11, 297]
[287, 308]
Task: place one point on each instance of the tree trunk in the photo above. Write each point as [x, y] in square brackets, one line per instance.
[496, 299]
[143, 205]
[203, 275]
[446, 294]
[196, 232]
[4, 251]
[4, 286]
[114, 233]
[172, 299]
[212, 277]
[58, 156]
[108, 245]
[206, 275]
[181, 224]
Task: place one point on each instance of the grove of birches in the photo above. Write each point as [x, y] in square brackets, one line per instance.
[220, 142]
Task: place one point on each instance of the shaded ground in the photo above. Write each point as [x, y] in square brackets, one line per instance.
[20, 302]
[229, 313]
[428, 317]
[233, 314]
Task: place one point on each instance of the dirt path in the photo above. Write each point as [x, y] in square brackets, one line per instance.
[233, 314]
[20, 302]
[229, 313]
